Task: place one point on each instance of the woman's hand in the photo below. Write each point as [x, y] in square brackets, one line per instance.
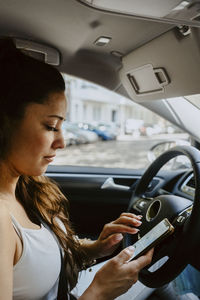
[111, 236]
[116, 276]
[112, 233]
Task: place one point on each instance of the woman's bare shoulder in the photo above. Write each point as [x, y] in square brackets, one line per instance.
[7, 252]
[7, 233]
[5, 218]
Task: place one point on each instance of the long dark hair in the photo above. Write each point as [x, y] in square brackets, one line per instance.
[26, 80]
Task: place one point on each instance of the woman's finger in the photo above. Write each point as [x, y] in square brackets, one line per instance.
[127, 221]
[112, 228]
[113, 239]
[139, 217]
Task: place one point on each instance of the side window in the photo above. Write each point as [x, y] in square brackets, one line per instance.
[104, 129]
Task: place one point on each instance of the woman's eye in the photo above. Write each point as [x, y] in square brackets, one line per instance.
[50, 128]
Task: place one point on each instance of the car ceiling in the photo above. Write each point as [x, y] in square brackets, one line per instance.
[72, 28]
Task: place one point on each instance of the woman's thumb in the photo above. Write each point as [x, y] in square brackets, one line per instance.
[126, 254]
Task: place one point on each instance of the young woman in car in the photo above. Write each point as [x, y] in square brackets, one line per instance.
[33, 211]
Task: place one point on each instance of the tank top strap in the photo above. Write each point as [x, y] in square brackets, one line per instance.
[16, 226]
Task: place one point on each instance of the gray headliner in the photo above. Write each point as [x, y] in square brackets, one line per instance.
[62, 24]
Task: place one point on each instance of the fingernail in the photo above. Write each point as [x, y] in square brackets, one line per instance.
[140, 216]
[118, 237]
[138, 222]
[131, 248]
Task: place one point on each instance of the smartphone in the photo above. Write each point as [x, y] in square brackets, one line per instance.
[152, 238]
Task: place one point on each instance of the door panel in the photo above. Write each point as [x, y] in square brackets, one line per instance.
[91, 206]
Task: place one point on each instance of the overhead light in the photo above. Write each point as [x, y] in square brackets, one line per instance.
[102, 41]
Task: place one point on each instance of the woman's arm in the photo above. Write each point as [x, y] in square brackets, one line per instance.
[7, 252]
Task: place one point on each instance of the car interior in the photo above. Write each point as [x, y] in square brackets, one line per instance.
[148, 52]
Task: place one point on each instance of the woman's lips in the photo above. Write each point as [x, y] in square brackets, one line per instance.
[49, 158]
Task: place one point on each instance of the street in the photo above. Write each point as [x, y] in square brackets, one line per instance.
[123, 153]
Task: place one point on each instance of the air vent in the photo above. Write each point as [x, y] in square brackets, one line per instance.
[191, 182]
[188, 186]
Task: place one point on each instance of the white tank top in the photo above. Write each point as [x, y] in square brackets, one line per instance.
[36, 274]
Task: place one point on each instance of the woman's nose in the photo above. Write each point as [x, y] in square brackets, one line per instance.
[59, 142]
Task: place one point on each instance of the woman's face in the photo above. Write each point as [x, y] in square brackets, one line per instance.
[38, 137]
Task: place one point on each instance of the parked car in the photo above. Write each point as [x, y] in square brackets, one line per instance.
[70, 138]
[133, 126]
[102, 133]
[91, 137]
[82, 136]
[149, 129]
[109, 129]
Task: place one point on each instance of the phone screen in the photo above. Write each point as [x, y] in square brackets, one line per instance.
[150, 239]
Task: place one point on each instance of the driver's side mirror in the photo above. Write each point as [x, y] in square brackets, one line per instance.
[178, 162]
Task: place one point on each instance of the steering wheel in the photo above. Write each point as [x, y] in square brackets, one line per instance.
[183, 214]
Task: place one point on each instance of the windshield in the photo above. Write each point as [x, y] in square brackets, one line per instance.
[104, 129]
[194, 99]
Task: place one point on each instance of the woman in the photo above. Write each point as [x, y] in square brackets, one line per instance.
[33, 211]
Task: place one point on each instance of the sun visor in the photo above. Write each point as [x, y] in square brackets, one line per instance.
[147, 80]
[166, 67]
[39, 51]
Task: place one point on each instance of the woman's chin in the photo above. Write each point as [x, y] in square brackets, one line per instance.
[38, 172]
